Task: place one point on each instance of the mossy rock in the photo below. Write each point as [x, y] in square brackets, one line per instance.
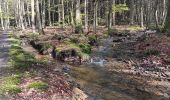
[86, 48]
[42, 48]
[92, 40]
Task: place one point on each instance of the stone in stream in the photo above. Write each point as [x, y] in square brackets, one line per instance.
[66, 69]
[53, 53]
[117, 40]
[98, 61]
[167, 74]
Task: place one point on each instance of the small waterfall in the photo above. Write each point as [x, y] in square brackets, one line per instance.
[98, 61]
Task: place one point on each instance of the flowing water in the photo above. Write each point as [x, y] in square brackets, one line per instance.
[100, 84]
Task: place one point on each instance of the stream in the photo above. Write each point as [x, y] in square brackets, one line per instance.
[99, 83]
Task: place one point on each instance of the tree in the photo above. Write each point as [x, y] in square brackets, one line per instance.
[167, 24]
[39, 25]
[86, 15]
[49, 12]
[1, 15]
[32, 16]
[132, 11]
[78, 13]
[63, 17]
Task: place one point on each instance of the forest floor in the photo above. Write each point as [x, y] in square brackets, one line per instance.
[136, 66]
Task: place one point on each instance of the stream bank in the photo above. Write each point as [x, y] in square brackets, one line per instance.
[119, 77]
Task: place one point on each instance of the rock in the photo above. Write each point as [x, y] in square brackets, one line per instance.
[167, 74]
[166, 95]
[168, 78]
[117, 40]
[66, 69]
[79, 94]
[57, 70]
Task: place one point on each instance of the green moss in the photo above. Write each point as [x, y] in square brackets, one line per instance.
[134, 28]
[9, 85]
[9, 89]
[15, 79]
[86, 48]
[38, 85]
[33, 35]
[20, 59]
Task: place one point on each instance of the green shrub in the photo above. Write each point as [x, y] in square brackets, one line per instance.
[38, 85]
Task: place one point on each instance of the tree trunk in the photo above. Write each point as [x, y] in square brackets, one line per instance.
[167, 24]
[49, 12]
[39, 25]
[63, 19]
[2, 20]
[164, 13]
[141, 14]
[132, 11]
[28, 15]
[59, 12]
[78, 13]
[86, 15]
[32, 16]
[114, 16]
[95, 17]
[43, 13]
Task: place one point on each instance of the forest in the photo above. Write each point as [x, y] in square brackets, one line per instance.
[84, 50]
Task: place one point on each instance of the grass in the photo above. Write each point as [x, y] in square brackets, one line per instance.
[38, 85]
[18, 59]
[9, 85]
[135, 28]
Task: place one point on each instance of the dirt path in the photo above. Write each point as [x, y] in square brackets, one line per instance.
[4, 49]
